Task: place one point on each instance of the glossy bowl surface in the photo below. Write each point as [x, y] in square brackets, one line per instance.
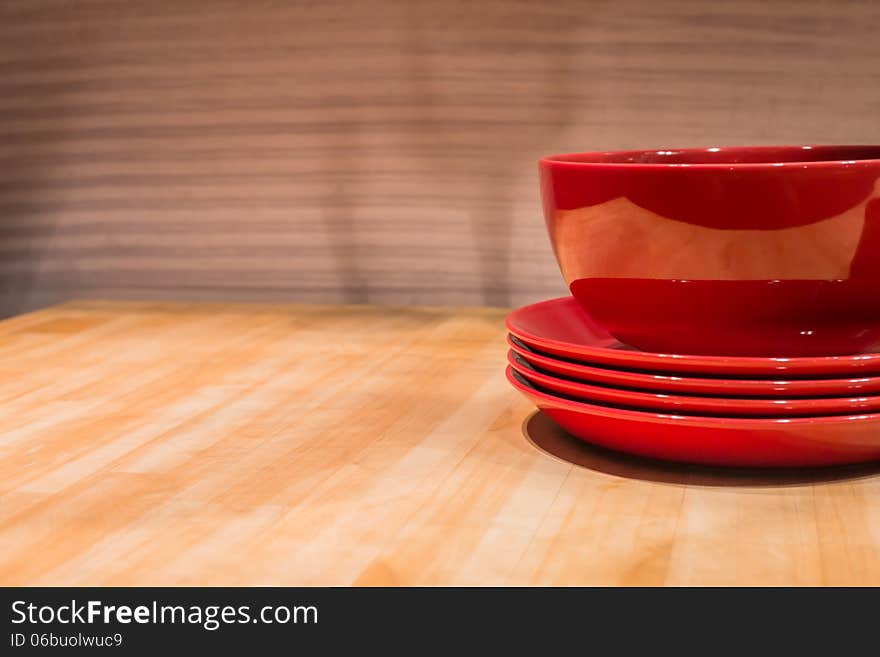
[562, 327]
[747, 251]
[714, 440]
[664, 402]
[695, 385]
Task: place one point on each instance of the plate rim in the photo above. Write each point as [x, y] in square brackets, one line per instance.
[693, 363]
[682, 418]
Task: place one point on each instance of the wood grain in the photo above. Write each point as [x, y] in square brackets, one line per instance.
[380, 151]
[146, 443]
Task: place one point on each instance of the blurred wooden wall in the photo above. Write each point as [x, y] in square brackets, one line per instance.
[376, 151]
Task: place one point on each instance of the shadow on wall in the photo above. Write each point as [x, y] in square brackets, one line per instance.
[27, 156]
[521, 124]
[338, 207]
[492, 233]
[467, 134]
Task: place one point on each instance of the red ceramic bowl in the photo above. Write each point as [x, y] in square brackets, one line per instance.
[715, 440]
[747, 251]
[664, 402]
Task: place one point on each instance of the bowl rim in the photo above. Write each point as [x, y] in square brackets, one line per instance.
[573, 160]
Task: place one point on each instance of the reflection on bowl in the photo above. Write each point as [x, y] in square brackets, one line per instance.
[741, 251]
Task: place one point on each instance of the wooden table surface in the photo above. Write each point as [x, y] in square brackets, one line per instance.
[207, 444]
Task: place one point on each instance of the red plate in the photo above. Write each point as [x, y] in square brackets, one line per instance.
[699, 405]
[562, 328]
[698, 385]
[715, 440]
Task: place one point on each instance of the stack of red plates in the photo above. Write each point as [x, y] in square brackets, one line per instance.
[730, 410]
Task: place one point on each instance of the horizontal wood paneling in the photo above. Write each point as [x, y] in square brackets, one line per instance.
[372, 151]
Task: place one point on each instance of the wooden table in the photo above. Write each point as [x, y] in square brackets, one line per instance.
[154, 443]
